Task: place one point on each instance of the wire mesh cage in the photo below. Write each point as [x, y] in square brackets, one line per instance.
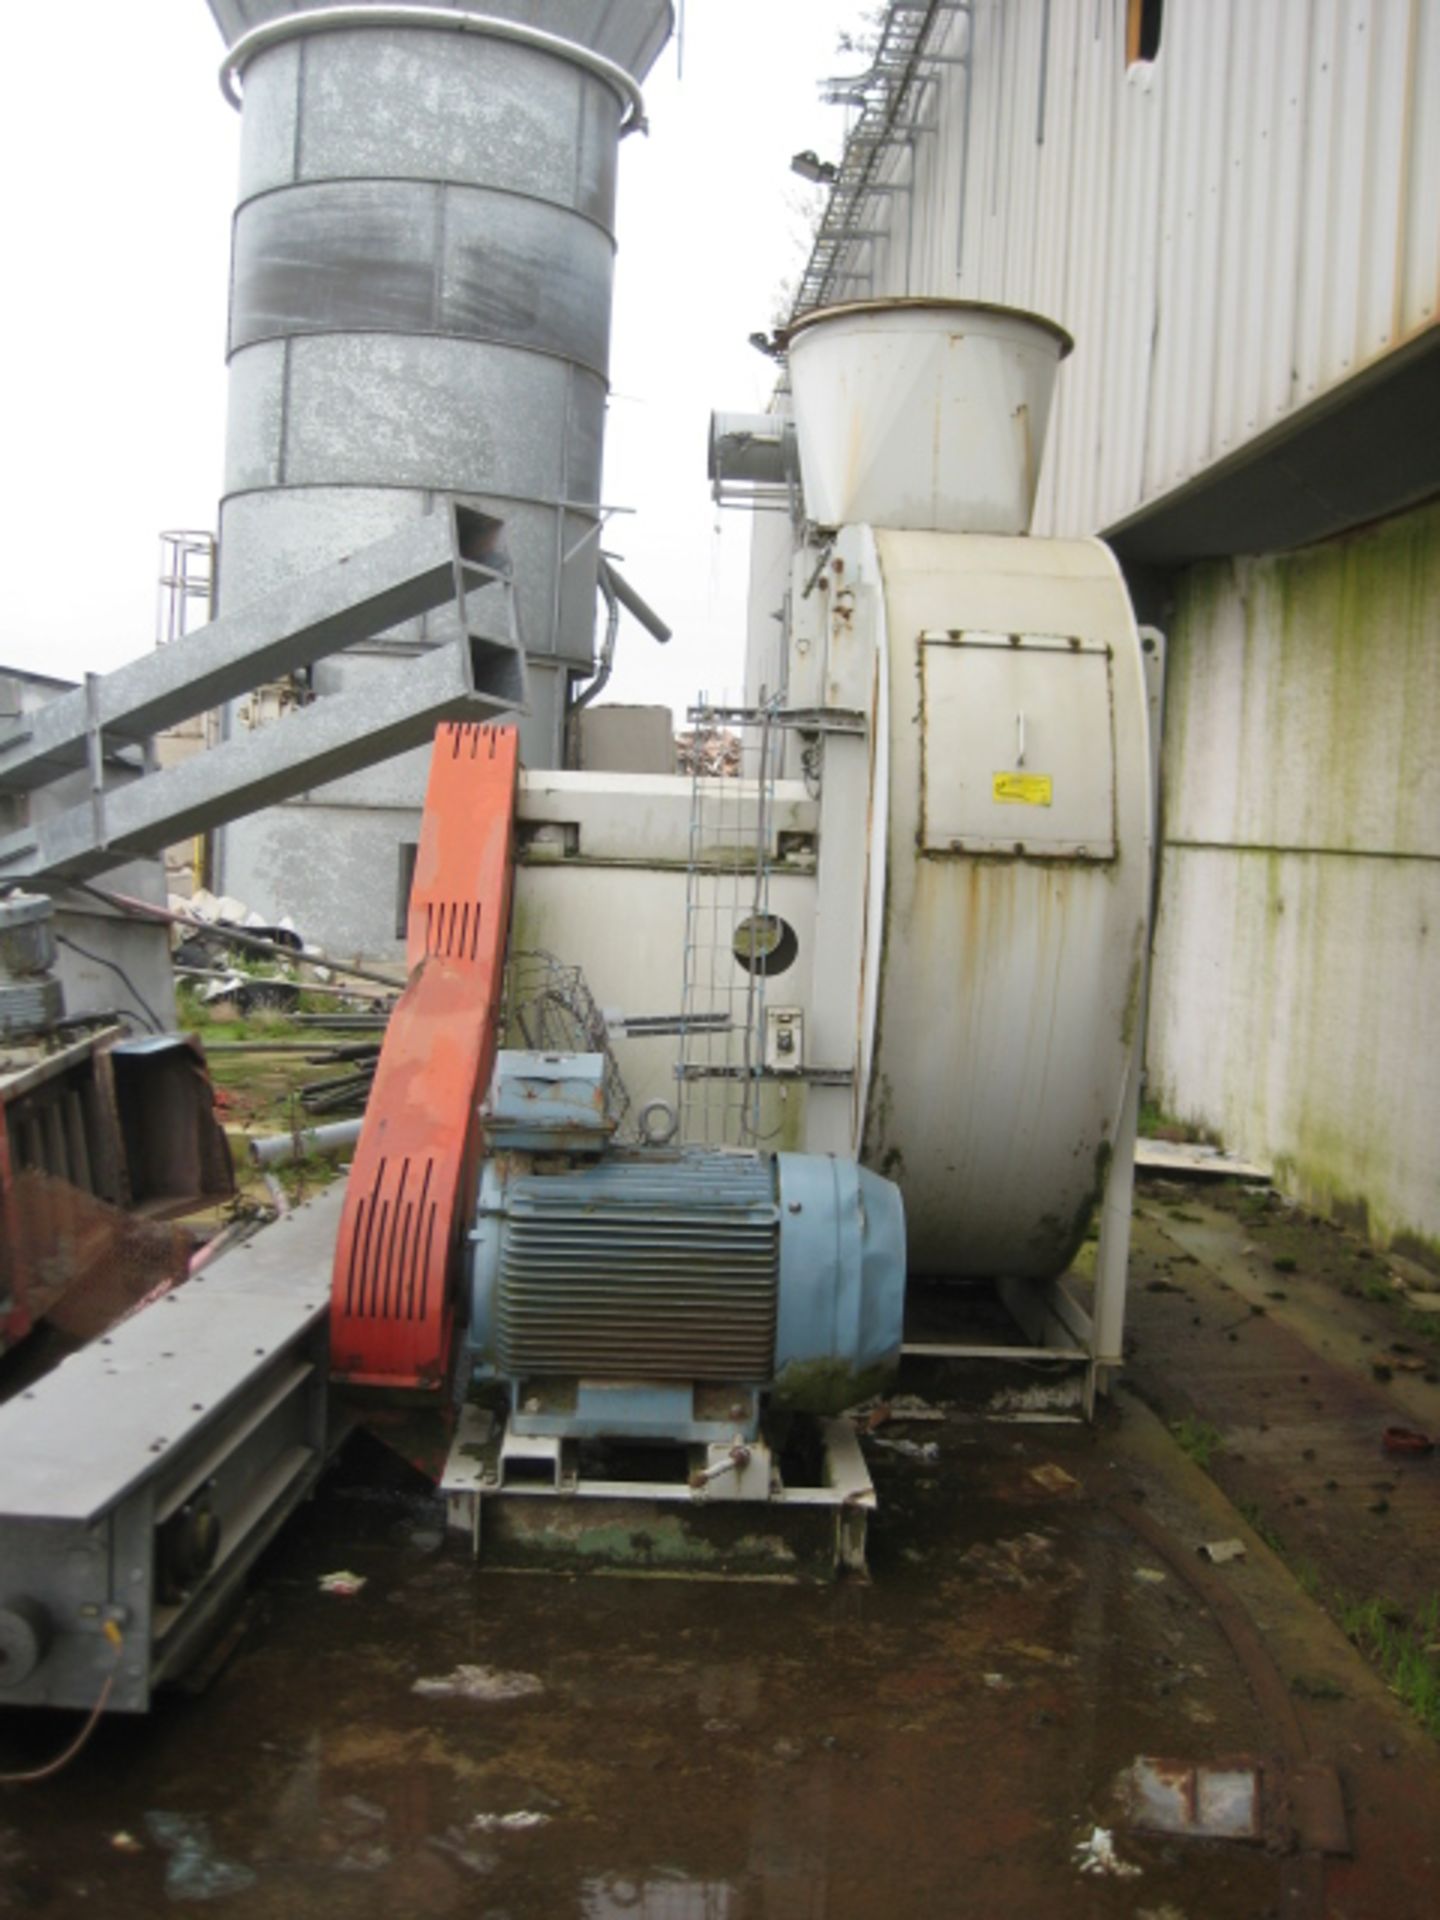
[730, 934]
[549, 1008]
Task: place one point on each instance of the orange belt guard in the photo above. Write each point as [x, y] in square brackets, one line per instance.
[412, 1185]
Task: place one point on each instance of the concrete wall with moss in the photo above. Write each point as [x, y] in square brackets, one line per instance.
[1295, 1007]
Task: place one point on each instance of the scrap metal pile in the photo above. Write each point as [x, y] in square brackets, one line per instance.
[712, 753]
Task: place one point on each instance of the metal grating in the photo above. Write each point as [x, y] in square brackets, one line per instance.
[660, 1267]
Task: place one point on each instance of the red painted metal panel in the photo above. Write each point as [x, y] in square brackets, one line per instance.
[413, 1181]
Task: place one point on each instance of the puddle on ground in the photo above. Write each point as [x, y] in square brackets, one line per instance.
[938, 1740]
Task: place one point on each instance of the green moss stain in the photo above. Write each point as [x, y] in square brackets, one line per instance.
[1132, 1000]
[678, 1543]
[1321, 663]
[1084, 1214]
[527, 920]
[1353, 691]
[1303, 730]
[782, 1116]
[1422, 1248]
[874, 1150]
[527, 935]
[827, 1386]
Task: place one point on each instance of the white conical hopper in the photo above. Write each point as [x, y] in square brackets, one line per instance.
[925, 414]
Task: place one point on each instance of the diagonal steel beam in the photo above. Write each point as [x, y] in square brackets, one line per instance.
[450, 553]
[477, 675]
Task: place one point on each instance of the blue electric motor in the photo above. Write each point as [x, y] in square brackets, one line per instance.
[659, 1292]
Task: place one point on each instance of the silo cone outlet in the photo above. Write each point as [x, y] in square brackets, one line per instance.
[923, 414]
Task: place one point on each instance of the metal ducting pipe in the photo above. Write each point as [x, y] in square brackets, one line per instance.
[420, 306]
[606, 665]
[752, 450]
[280, 1149]
[617, 592]
[639, 609]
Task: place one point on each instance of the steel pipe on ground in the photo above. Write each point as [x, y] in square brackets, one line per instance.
[276, 1149]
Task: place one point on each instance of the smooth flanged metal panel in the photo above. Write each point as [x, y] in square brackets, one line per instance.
[402, 104]
[1018, 745]
[459, 416]
[410, 256]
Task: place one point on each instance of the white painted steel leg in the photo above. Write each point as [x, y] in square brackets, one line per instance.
[831, 1122]
[1113, 1254]
[1112, 1257]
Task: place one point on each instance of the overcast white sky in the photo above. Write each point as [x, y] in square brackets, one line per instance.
[119, 159]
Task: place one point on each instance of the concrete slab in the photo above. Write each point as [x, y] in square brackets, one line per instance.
[1193, 1157]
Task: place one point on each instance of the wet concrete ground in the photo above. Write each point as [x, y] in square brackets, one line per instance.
[1289, 1341]
[934, 1742]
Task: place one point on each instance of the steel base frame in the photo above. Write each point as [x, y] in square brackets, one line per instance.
[549, 1516]
[1058, 1333]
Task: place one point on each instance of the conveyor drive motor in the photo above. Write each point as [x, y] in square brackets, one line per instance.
[658, 1293]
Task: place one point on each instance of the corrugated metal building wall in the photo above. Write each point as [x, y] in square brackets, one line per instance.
[1243, 234]
[1229, 231]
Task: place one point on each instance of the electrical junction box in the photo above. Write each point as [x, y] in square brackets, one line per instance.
[784, 1040]
[547, 1103]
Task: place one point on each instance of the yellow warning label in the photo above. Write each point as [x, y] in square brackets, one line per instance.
[1024, 789]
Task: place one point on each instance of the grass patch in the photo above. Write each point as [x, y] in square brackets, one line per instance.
[261, 1023]
[309, 1174]
[1197, 1439]
[1425, 1326]
[1157, 1124]
[1406, 1650]
[1316, 1686]
[1307, 1578]
[1256, 1521]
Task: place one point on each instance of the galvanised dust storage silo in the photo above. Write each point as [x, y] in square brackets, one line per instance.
[420, 307]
